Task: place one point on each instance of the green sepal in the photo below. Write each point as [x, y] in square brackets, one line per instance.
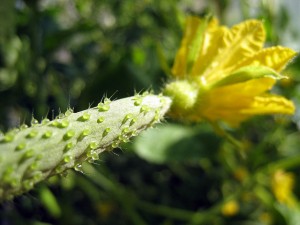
[196, 46]
[247, 73]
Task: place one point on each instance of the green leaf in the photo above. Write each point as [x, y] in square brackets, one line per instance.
[170, 143]
[196, 45]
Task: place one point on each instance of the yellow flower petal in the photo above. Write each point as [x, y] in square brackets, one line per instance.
[269, 104]
[191, 45]
[242, 41]
[180, 63]
[274, 57]
[211, 45]
[237, 102]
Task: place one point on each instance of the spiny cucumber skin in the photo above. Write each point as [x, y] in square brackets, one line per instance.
[31, 154]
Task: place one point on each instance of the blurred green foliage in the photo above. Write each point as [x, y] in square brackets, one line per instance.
[55, 54]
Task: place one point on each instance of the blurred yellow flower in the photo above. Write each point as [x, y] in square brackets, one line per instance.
[224, 74]
[282, 187]
[230, 208]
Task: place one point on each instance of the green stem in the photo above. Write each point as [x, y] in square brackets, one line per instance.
[169, 212]
[287, 163]
[229, 138]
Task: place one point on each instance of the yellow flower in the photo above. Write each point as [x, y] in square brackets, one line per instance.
[282, 187]
[230, 208]
[224, 74]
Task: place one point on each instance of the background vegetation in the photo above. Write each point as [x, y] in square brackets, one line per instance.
[60, 53]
